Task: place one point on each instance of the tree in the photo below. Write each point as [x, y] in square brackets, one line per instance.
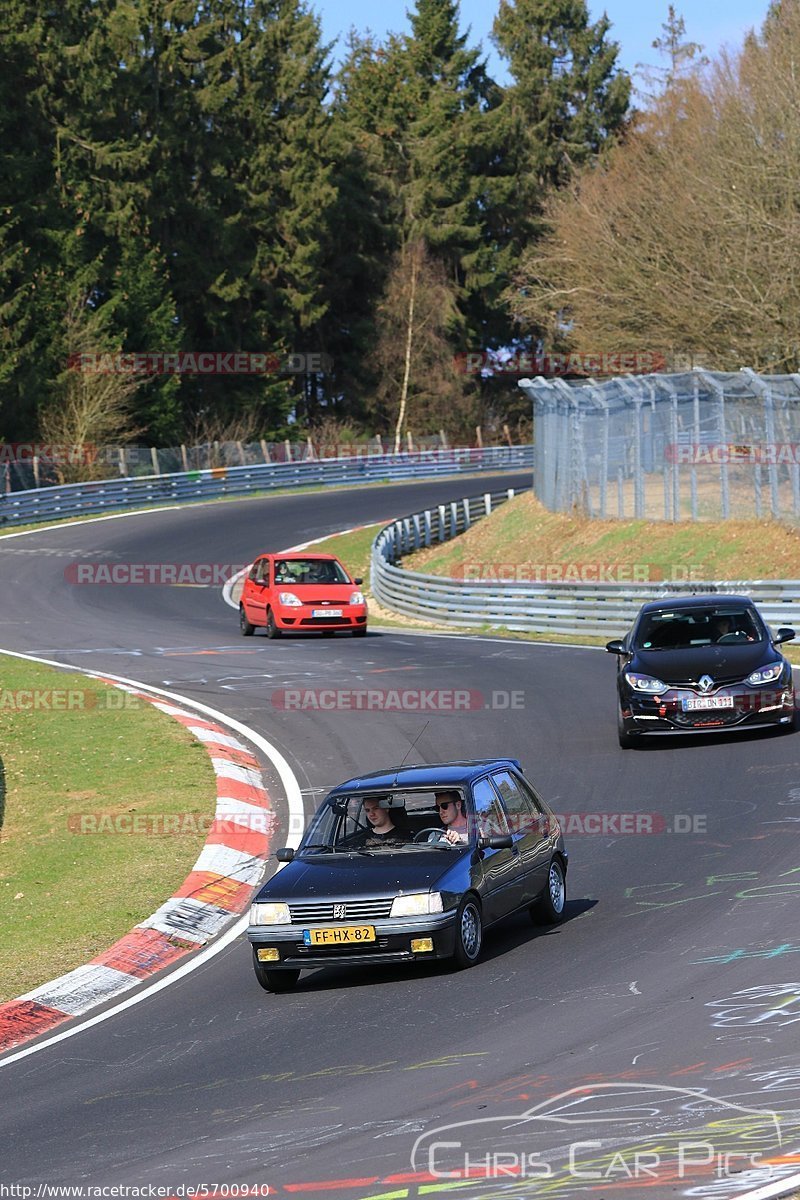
[416, 377]
[683, 56]
[685, 240]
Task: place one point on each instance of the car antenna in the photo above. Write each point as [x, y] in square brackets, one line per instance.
[412, 745]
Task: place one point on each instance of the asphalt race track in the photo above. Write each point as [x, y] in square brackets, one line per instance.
[673, 979]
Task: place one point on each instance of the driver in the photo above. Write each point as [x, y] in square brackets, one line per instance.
[451, 814]
[722, 626]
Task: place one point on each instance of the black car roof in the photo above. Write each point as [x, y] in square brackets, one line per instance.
[452, 774]
[694, 601]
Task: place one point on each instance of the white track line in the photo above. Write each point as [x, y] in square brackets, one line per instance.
[296, 823]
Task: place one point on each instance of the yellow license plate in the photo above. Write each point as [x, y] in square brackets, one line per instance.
[343, 935]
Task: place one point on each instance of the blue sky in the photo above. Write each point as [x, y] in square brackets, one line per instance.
[634, 24]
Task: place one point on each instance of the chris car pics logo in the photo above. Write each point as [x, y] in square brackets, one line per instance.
[616, 1132]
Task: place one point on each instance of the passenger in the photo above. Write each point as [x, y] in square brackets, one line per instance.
[383, 830]
[451, 814]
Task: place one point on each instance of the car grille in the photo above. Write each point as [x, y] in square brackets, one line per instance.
[355, 910]
[379, 946]
[719, 681]
[323, 620]
[708, 718]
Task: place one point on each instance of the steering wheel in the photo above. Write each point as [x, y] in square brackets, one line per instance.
[736, 635]
[424, 834]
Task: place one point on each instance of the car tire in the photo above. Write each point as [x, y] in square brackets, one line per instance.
[549, 908]
[469, 933]
[244, 625]
[361, 632]
[275, 981]
[272, 628]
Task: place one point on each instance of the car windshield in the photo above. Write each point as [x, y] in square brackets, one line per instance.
[686, 628]
[379, 823]
[298, 571]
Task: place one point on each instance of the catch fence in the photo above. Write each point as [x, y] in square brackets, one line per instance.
[697, 445]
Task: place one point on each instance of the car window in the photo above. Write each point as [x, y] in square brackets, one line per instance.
[684, 628]
[299, 571]
[489, 813]
[523, 816]
[258, 569]
[340, 825]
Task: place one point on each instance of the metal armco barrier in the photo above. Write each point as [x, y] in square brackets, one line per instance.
[90, 499]
[594, 609]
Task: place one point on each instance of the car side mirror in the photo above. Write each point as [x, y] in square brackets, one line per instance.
[785, 634]
[500, 842]
[616, 647]
[285, 854]
[358, 582]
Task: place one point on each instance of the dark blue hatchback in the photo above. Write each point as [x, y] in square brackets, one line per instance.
[408, 864]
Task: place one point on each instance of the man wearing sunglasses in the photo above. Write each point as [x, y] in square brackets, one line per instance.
[451, 814]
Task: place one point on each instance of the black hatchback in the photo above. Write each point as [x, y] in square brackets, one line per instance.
[376, 880]
[701, 664]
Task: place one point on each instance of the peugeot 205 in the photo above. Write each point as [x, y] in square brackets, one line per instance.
[701, 664]
[301, 593]
[406, 865]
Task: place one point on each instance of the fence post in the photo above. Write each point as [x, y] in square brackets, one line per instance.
[696, 436]
[487, 503]
[288, 448]
[265, 451]
[154, 458]
[441, 523]
[184, 458]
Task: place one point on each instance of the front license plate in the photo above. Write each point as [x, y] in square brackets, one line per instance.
[345, 935]
[326, 612]
[707, 702]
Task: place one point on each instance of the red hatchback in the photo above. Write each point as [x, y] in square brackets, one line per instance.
[285, 593]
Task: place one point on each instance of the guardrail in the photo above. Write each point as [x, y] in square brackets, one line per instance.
[84, 499]
[592, 609]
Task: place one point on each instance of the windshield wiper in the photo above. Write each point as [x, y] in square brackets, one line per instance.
[318, 846]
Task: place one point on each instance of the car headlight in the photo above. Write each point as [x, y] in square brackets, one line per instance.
[290, 600]
[765, 674]
[357, 598]
[416, 904]
[270, 914]
[646, 683]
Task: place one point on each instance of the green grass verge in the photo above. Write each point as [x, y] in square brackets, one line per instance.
[523, 532]
[65, 895]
